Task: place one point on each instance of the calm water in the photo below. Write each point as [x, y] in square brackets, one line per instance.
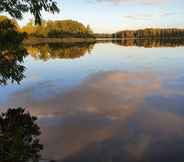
[105, 102]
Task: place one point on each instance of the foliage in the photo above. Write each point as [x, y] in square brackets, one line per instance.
[64, 28]
[151, 33]
[9, 31]
[89, 30]
[16, 8]
[12, 52]
[19, 137]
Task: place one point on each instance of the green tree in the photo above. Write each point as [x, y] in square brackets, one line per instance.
[16, 8]
[19, 137]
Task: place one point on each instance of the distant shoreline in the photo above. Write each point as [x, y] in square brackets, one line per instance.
[42, 40]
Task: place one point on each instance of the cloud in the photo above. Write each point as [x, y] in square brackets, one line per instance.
[149, 16]
[96, 96]
[108, 115]
[135, 1]
[139, 17]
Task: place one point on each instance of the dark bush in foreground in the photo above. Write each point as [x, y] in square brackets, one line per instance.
[19, 137]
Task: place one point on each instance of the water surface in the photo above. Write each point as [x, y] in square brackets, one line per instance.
[117, 102]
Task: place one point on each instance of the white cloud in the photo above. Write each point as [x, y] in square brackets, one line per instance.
[135, 1]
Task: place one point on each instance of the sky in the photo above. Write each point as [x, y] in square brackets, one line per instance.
[107, 16]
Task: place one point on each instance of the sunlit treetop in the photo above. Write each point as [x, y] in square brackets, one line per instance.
[16, 8]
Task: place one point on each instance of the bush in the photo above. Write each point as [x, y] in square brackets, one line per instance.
[19, 137]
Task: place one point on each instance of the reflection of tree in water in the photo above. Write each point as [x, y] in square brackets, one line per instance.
[11, 56]
[12, 52]
[60, 51]
[149, 43]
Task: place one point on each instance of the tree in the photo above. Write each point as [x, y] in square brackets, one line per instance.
[151, 33]
[12, 52]
[18, 137]
[89, 30]
[59, 28]
[29, 28]
[9, 29]
[16, 8]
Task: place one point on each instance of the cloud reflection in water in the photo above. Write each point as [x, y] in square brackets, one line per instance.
[112, 116]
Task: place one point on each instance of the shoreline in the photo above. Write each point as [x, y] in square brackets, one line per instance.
[42, 40]
[36, 41]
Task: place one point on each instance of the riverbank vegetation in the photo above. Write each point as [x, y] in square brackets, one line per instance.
[58, 29]
[12, 52]
[151, 33]
[63, 30]
[10, 32]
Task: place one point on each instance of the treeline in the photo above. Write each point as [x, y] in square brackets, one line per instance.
[58, 29]
[9, 29]
[151, 33]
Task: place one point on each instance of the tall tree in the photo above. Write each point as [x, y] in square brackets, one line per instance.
[16, 8]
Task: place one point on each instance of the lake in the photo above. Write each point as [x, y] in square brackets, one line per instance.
[119, 101]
